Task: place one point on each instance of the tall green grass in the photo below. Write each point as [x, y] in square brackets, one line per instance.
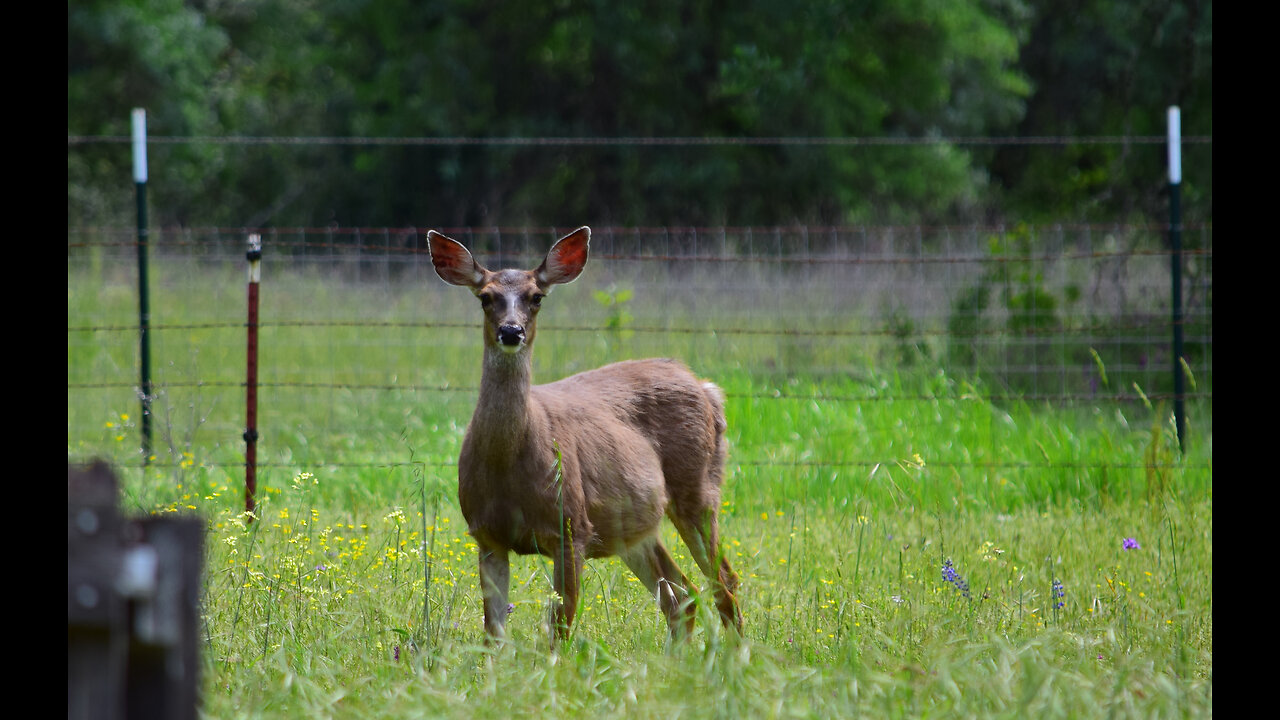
[849, 485]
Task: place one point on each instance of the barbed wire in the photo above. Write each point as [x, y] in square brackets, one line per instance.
[739, 258]
[463, 141]
[1159, 323]
[410, 244]
[946, 464]
[370, 241]
[633, 230]
[770, 395]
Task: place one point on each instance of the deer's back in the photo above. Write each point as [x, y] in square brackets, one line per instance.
[660, 398]
[679, 416]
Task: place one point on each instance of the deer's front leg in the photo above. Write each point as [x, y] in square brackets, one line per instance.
[495, 583]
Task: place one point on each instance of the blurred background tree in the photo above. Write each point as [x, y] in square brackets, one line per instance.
[593, 69]
[1112, 68]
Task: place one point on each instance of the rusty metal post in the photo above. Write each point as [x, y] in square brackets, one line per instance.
[251, 379]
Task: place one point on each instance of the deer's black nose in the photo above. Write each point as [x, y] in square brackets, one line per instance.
[510, 335]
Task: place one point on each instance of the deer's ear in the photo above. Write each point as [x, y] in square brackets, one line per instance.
[566, 259]
[453, 262]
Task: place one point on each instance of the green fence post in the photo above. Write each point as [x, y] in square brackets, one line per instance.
[144, 306]
[1175, 243]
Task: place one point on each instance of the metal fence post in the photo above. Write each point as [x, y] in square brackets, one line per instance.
[144, 305]
[1175, 242]
[251, 380]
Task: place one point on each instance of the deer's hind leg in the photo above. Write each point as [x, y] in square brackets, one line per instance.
[693, 482]
[701, 533]
[654, 566]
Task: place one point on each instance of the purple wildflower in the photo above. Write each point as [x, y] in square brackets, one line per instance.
[1131, 544]
[950, 575]
[1058, 594]
[511, 608]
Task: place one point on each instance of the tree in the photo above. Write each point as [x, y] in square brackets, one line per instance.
[1112, 68]
[626, 70]
[155, 54]
[896, 71]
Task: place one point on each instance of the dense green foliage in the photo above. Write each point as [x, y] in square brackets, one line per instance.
[591, 69]
[1112, 68]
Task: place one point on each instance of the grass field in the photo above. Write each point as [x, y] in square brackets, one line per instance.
[911, 543]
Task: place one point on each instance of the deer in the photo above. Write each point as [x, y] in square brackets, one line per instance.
[587, 466]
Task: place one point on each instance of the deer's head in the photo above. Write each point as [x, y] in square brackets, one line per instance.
[510, 299]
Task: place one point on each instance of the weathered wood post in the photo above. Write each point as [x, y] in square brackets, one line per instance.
[133, 600]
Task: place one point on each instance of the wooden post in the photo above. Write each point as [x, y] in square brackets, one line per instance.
[97, 652]
[132, 606]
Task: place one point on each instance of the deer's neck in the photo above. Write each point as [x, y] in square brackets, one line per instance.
[502, 417]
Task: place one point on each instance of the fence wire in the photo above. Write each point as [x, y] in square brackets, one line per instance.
[1065, 314]
[461, 141]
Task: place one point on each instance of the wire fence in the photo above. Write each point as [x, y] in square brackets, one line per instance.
[1063, 314]
[461, 141]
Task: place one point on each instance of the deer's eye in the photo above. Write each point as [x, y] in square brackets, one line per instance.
[486, 300]
[536, 300]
